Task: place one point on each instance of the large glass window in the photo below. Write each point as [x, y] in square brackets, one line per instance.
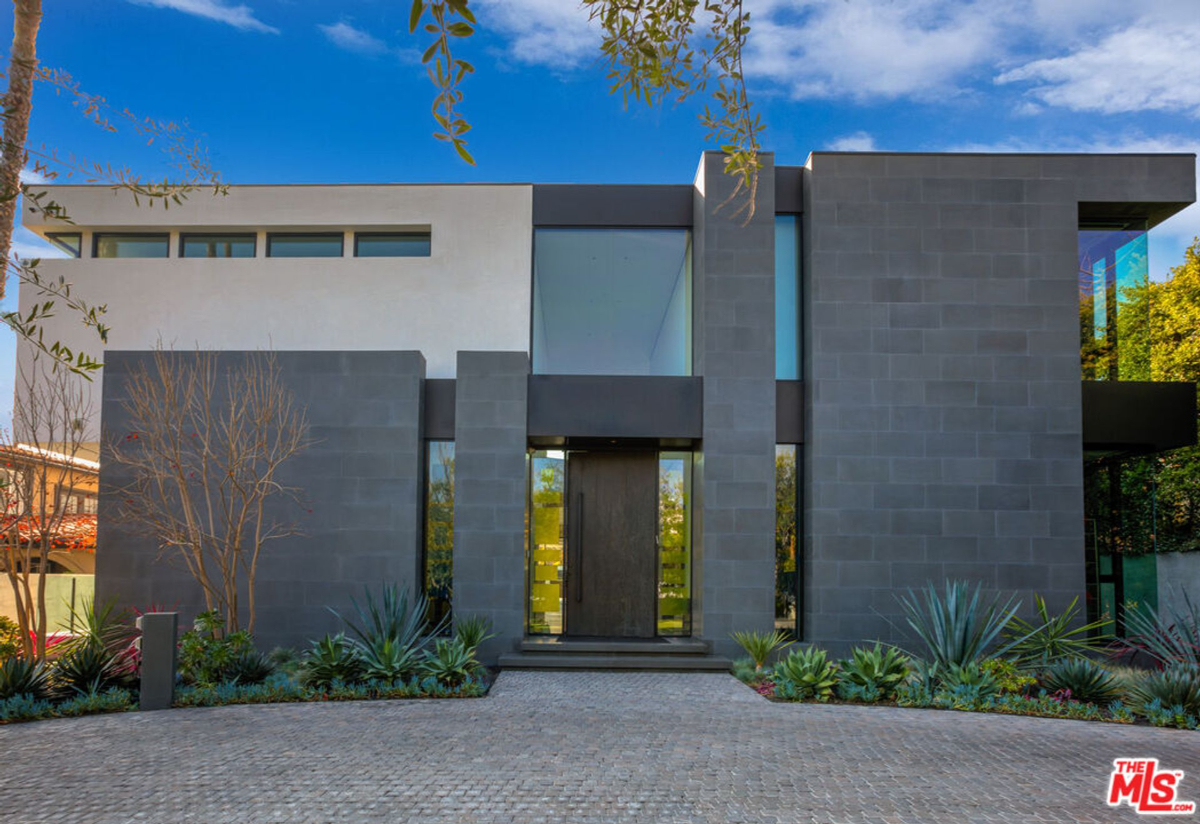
[787, 559]
[439, 527]
[787, 297]
[217, 246]
[108, 245]
[612, 302]
[391, 244]
[305, 245]
[1114, 307]
[547, 541]
[674, 543]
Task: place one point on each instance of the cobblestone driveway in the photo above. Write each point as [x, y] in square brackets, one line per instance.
[578, 747]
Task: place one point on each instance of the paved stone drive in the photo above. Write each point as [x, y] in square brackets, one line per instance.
[574, 747]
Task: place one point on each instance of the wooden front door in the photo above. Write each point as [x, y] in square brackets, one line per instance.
[612, 512]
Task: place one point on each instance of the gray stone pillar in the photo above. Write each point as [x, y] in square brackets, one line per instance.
[157, 645]
[734, 299]
[489, 495]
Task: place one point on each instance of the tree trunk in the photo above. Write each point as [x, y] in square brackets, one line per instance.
[18, 102]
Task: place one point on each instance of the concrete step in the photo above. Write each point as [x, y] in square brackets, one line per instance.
[618, 646]
[613, 661]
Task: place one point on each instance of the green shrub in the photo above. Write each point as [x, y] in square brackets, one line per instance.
[805, 674]
[760, 646]
[472, 631]
[115, 699]
[1176, 686]
[1011, 680]
[1054, 637]
[1084, 681]
[874, 670]
[450, 662]
[286, 660]
[24, 676]
[953, 627]
[249, 667]
[385, 659]
[25, 707]
[206, 655]
[744, 670]
[968, 683]
[10, 638]
[331, 659]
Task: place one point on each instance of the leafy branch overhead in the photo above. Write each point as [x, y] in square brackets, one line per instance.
[445, 70]
[655, 50]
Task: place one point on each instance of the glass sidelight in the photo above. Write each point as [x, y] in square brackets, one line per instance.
[547, 541]
[674, 543]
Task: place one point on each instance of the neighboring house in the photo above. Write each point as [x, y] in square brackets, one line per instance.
[608, 415]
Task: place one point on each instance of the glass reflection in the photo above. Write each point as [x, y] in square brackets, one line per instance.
[612, 302]
[1114, 307]
[787, 297]
[674, 543]
[547, 542]
[786, 577]
[439, 528]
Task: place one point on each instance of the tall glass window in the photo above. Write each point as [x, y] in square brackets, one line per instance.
[547, 541]
[787, 297]
[787, 558]
[110, 245]
[612, 302]
[1114, 306]
[439, 527]
[217, 246]
[674, 543]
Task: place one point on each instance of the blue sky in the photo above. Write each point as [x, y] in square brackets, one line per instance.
[305, 91]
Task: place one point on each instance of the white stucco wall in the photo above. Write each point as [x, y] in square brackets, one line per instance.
[472, 293]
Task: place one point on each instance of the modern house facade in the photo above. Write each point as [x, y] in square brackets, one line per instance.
[623, 413]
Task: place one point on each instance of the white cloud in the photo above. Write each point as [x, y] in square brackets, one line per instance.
[27, 245]
[554, 33]
[345, 36]
[240, 17]
[1150, 66]
[856, 142]
[33, 176]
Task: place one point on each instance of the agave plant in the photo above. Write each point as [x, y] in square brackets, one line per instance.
[806, 673]
[473, 631]
[954, 628]
[249, 667]
[87, 669]
[23, 676]
[450, 662]
[331, 659]
[384, 659]
[878, 669]
[1056, 637]
[1171, 636]
[1178, 685]
[969, 682]
[761, 645]
[1085, 680]
[393, 619]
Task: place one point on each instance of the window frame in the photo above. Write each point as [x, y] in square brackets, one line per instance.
[98, 236]
[55, 240]
[426, 235]
[271, 236]
[251, 236]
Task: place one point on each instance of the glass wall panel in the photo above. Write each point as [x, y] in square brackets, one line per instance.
[69, 242]
[787, 297]
[787, 580]
[439, 527]
[305, 245]
[217, 246]
[612, 302]
[391, 244]
[1114, 307]
[674, 543]
[130, 245]
[547, 541]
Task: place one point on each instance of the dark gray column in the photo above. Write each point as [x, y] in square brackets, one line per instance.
[489, 495]
[361, 482]
[156, 689]
[734, 299]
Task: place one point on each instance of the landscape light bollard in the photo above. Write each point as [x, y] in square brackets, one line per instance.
[158, 659]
